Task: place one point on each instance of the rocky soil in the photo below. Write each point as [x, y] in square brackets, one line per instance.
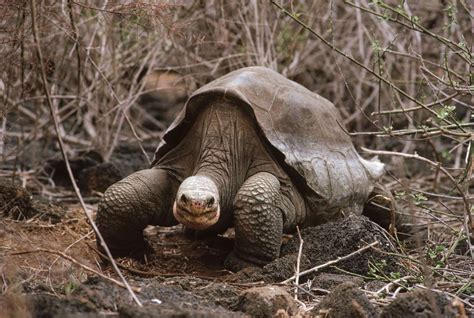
[48, 254]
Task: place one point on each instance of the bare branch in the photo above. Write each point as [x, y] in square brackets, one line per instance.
[63, 151]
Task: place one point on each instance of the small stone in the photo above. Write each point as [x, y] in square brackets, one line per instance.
[330, 281]
[346, 300]
[266, 302]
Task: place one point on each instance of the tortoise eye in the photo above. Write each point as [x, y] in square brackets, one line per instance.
[210, 201]
[183, 198]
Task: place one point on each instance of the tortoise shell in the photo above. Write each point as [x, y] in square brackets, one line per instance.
[303, 129]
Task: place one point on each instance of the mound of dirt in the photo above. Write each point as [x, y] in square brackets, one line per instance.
[346, 300]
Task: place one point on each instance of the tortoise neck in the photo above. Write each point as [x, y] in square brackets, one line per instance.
[219, 181]
[226, 150]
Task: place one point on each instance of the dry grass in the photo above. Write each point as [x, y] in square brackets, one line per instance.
[401, 76]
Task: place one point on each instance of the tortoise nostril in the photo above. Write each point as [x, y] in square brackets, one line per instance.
[183, 198]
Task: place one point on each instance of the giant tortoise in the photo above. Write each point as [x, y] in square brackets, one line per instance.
[251, 150]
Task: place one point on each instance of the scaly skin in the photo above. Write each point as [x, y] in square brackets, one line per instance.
[252, 130]
[258, 220]
[197, 203]
[128, 206]
[234, 174]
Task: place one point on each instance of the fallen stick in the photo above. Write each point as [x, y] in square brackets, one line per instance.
[337, 260]
[468, 222]
[54, 117]
[298, 262]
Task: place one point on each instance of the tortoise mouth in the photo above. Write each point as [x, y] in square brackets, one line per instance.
[196, 218]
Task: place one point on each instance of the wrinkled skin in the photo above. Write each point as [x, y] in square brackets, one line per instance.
[228, 162]
[253, 192]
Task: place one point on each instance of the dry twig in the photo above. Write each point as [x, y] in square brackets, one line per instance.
[468, 222]
[337, 260]
[298, 261]
[63, 151]
[73, 260]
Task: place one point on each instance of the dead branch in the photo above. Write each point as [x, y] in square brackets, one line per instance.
[63, 151]
[73, 260]
[339, 259]
[298, 262]
[468, 223]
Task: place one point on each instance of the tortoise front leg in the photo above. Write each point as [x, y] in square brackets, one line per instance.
[128, 206]
[258, 220]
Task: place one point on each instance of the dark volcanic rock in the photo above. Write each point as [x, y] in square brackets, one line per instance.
[56, 169]
[274, 272]
[48, 211]
[46, 306]
[266, 302]
[284, 268]
[327, 242]
[99, 177]
[177, 297]
[346, 300]
[337, 239]
[92, 173]
[420, 303]
[15, 201]
[152, 311]
[329, 281]
[128, 157]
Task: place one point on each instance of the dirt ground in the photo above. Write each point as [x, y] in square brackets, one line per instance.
[50, 268]
[109, 77]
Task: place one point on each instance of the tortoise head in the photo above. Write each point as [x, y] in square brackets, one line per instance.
[197, 203]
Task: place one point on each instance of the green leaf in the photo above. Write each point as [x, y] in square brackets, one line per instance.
[445, 112]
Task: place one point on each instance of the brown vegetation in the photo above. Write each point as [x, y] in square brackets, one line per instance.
[400, 73]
